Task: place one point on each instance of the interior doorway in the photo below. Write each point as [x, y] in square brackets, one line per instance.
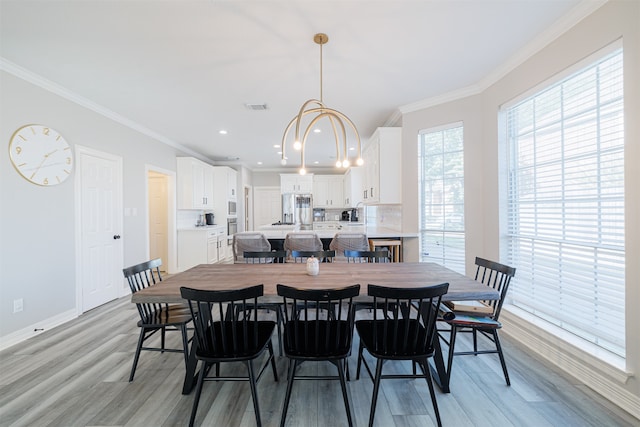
[158, 217]
[161, 218]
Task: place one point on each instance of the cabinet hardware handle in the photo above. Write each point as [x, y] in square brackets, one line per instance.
[116, 237]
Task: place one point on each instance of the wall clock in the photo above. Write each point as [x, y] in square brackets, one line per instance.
[41, 155]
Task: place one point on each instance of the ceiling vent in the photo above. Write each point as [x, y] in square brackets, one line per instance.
[256, 107]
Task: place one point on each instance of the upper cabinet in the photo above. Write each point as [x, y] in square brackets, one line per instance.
[225, 180]
[328, 191]
[353, 188]
[195, 184]
[296, 183]
[382, 167]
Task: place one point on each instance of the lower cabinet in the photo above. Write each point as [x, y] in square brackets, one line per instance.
[201, 246]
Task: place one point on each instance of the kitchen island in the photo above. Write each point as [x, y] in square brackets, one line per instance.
[326, 231]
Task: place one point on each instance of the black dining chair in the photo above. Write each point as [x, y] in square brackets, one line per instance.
[323, 256]
[223, 336]
[264, 257]
[367, 256]
[268, 257]
[405, 331]
[318, 327]
[497, 276]
[156, 317]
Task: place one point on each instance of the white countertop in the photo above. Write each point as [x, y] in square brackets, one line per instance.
[280, 231]
[202, 228]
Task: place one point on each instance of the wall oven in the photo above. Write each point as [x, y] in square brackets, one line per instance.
[232, 226]
[231, 210]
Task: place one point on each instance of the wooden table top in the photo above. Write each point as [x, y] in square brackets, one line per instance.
[332, 275]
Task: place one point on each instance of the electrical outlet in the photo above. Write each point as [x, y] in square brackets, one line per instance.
[17, 305]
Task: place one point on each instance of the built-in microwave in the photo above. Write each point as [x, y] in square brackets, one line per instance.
[231, 211]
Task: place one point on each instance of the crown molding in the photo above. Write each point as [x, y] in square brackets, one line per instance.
[48, 85]
[561, 26]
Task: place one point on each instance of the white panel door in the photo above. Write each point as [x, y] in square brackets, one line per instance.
[100, 224]
[158, 218]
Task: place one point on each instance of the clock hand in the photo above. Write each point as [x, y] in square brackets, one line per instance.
[46, 156]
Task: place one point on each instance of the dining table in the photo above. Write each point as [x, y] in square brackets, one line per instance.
[331, 275]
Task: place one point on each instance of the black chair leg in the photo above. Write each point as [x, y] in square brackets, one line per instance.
[376, 389]
[254, 391]
[196, 398]
[475, 342]
[432, 392]
[273, 361]
[137, 355]
[502, 362]
[162, 338]
[343, 385]
[360, 356]
[279, 322]
[452, 344]
[291, 373]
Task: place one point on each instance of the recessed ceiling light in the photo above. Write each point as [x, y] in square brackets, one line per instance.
[316, 162]
[276, 145]
[280, 153]
[352, 148]
[316, 130]
[223, 132]
[259, 163]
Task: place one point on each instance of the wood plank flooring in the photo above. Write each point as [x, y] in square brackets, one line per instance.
[77, 375]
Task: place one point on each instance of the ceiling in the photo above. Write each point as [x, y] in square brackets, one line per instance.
[183, 70]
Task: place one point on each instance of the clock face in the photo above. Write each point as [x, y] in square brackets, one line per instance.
[41, 155]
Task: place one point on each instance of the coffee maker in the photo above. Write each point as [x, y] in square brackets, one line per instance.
[345, 216]
[354, 215]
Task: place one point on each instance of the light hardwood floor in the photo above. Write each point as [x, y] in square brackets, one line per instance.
[76, 375]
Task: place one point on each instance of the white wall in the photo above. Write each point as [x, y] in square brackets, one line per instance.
[37, 232]
[615, 20]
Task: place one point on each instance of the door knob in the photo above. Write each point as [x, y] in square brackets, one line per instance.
[116, 237]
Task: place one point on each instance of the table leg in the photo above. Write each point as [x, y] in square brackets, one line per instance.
[439, 373]
[191, 375]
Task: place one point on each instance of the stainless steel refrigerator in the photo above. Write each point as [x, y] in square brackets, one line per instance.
[298, 209]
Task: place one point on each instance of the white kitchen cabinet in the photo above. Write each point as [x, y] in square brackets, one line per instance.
[296, 183]
[328, 191]
[353, 186]
[382, 167]
[195, 184]
[232, 184]
[225, 182]
[202, 245]
[224, 193]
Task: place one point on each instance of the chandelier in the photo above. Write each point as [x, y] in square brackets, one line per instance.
[319, 111]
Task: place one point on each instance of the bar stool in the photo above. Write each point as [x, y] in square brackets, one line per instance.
[393, 245]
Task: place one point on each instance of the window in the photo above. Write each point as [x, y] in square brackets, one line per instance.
[566, 203]
[441, 171]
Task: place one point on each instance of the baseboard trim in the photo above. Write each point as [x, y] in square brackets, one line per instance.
[602, 378]
[36, 329]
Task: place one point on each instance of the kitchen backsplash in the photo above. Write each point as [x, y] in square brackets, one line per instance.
[387, 216]
[188, 218]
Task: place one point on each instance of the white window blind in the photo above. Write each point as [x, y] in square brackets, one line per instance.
[566, 203]
[441, 172]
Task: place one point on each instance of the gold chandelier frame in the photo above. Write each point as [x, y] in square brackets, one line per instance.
[336, 118]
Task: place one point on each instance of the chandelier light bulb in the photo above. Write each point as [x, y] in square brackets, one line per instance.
[338, 163]
[297, 145]
[359, 162]
[345, 163]
[302, 171]
[283, 162]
